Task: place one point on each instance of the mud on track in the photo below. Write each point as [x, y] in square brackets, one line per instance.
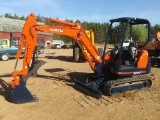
[61, 99]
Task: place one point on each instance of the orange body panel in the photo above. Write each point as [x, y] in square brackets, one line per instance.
[108, 56]
[142, 59]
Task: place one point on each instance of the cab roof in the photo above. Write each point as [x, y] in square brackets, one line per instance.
[131, 20]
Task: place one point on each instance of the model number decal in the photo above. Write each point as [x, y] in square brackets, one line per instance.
[135, 73]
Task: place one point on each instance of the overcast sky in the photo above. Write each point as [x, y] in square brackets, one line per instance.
[85, 10]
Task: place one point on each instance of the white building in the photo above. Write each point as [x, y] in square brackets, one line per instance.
[57, 42]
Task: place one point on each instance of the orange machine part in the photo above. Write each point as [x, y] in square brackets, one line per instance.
[108, 56]
[77, 34]
[29, 41]
[142, 59]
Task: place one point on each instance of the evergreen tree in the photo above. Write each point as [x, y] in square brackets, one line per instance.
[15, 16]
[99, 29]
[140, 33]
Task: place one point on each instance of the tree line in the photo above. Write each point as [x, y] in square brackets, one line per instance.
[99, 29]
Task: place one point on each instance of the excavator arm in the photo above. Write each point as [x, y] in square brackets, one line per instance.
[28, 42]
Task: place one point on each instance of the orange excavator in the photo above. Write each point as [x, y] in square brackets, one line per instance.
[117, 70]
[153, 48]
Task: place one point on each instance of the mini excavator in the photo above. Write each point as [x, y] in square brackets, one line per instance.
[114, 71]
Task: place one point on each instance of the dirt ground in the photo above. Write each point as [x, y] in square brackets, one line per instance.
[60, 100]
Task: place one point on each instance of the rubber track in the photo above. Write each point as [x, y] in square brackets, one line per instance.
[110, 84]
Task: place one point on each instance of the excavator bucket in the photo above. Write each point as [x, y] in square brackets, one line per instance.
[20, 94]
[89, 89]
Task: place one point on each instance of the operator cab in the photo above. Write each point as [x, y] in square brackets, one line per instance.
[127, 56]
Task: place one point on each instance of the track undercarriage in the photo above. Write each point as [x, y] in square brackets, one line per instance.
[95, 86]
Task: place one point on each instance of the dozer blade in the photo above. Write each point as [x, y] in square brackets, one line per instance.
[20, 94]
[89, 89]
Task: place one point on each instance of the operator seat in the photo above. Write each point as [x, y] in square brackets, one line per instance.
[133, 50]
